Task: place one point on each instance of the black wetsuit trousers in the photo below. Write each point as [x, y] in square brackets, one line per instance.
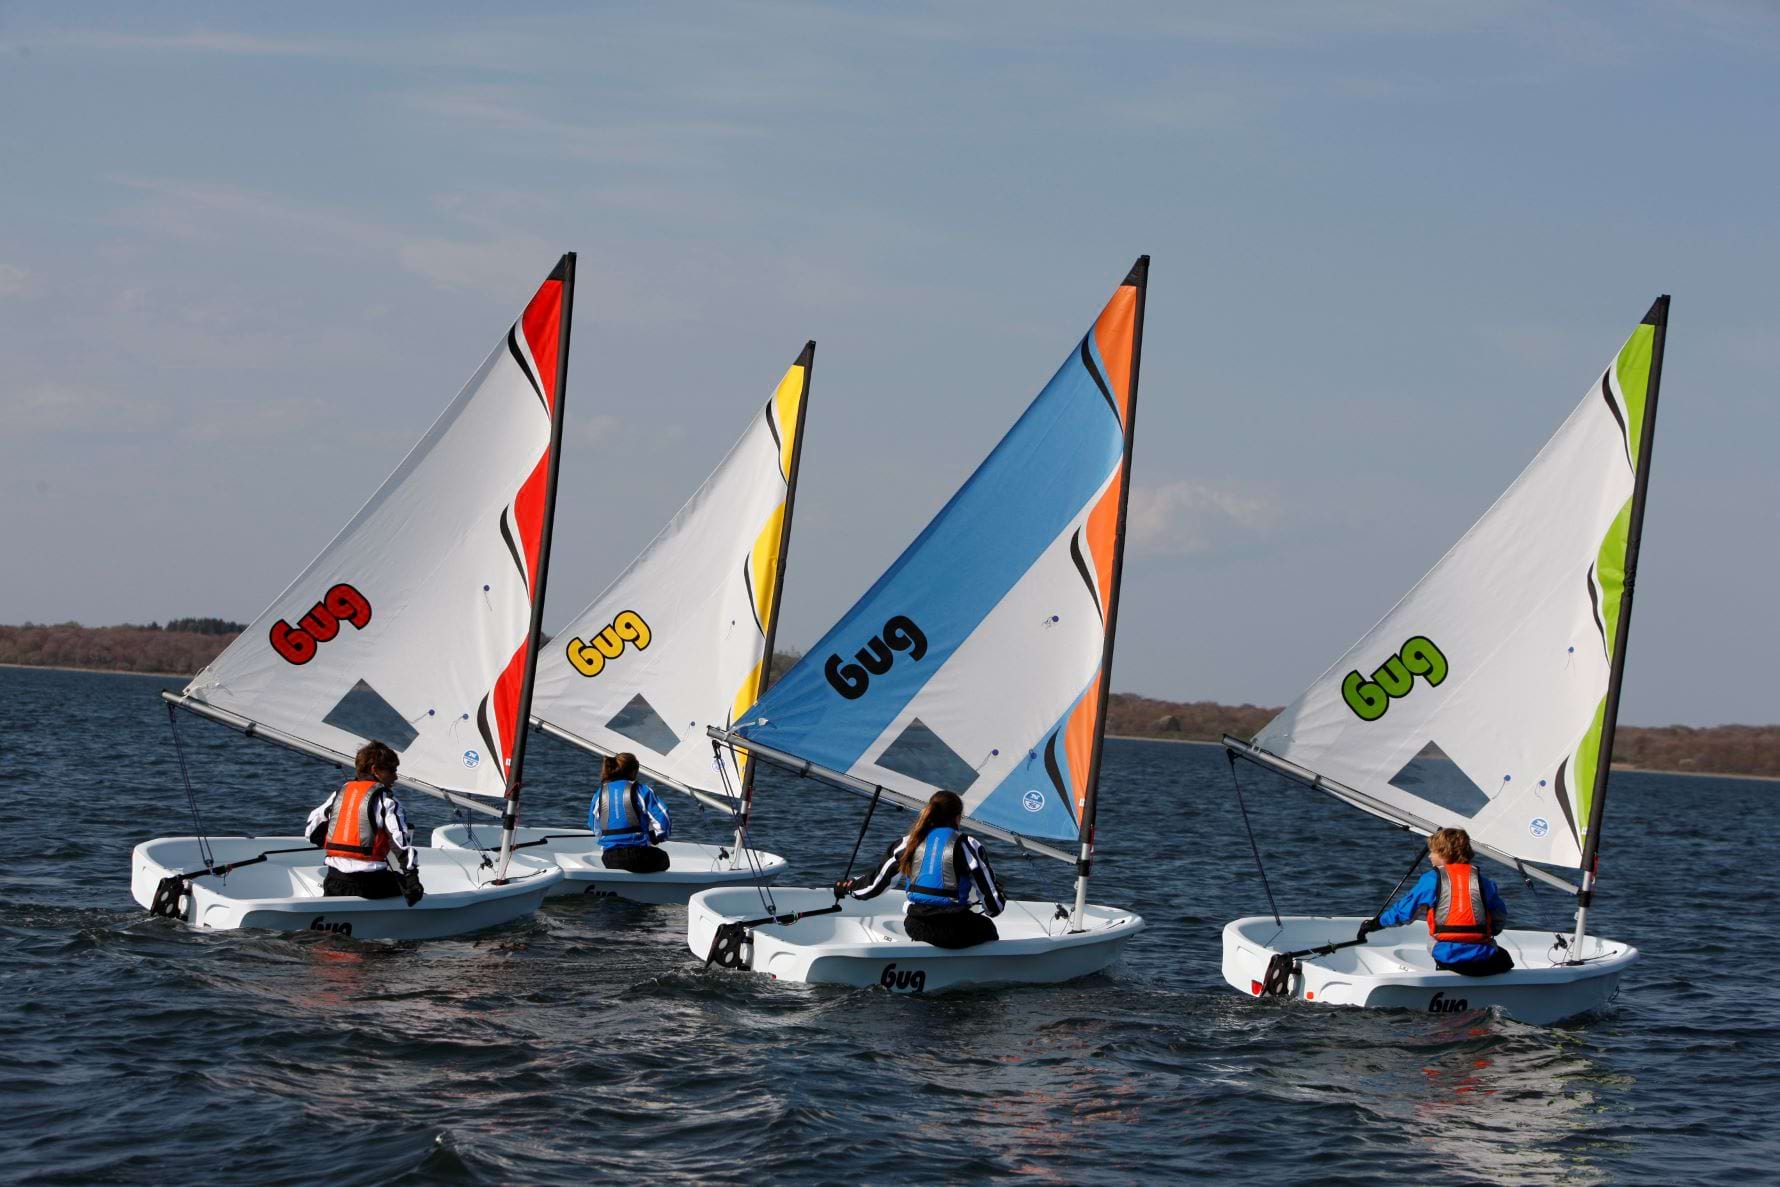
[947, 928]
[637, 859]
[365, 884]
[1489, 966]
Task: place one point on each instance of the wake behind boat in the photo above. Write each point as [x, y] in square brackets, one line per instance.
[417, 626]
[978, 664]
[1486, 700]
[680, 640]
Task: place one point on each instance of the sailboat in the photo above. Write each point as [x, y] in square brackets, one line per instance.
[978, 663]
[682, 639]
[418, 626]
[1485, 700]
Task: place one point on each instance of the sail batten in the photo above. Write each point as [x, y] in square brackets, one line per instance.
[977, 661]
[1479, 700]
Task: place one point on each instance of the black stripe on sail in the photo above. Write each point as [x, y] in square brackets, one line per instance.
[1618, 416]
[1563, 798]
[513, 550]
[772, 426]
[525, 369]
[1106, 392]
[494, 750]
[1594, 604]
[1052, 769]
[1081, 566]
[748, 584]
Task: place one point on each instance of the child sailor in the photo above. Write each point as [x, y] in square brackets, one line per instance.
[360, 826]
[629, 817]
[1463, 908]
[943, 868]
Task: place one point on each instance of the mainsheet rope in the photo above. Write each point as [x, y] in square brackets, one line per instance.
[748, 854]
[191, 797]
[1253, 848]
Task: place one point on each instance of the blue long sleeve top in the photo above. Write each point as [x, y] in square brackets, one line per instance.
[1420, 899]
[644, 802]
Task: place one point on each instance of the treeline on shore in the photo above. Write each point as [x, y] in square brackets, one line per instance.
[180, 647]
[183, 646]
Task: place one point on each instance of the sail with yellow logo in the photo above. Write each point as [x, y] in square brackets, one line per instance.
[682, 639]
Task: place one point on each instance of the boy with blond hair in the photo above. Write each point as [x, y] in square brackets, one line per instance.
[1463, 908]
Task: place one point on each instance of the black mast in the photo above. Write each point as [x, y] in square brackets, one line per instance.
[1138, 277]
[1658, 317]
[805, 359]
[564, 272]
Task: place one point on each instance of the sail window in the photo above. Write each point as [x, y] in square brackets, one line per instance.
[1434, 777]
[639, 722]
[919, 753]
[365, 713]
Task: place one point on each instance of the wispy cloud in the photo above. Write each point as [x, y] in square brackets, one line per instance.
[193, 41]
[528, 120]
[1181, 518]
[14, 281]
[508, 45]
[486, 253]
[58, 408]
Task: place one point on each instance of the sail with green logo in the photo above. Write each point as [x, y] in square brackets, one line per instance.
[1485, 699]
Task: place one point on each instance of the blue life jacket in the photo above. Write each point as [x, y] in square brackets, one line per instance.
[617, 815]
[936, 882]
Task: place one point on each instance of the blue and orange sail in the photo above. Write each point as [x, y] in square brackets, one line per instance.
[976, 663]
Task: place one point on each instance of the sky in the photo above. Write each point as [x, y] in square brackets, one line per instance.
[247, 255]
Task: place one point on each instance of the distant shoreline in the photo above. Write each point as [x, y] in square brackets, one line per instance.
[1620, 768]
[97, 671]
[1194, 723]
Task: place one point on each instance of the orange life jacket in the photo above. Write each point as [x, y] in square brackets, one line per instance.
[1458, 914]
[355, 832]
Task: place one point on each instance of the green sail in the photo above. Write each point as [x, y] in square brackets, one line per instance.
[1631, 372]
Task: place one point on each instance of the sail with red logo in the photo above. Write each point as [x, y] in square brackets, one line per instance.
[418, 624]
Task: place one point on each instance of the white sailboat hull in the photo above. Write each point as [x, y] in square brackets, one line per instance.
[865, 943]
[692, 867]
[283, 893]
[1395, 970]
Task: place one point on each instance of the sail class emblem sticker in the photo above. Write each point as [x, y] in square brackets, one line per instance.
[1539, 826]
[1034, 800]
[472, 759]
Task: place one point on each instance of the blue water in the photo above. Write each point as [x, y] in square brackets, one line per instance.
[588, 1045]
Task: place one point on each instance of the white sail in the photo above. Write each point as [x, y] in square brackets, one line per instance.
[1477, 702]
[412, 626]
[678, 641]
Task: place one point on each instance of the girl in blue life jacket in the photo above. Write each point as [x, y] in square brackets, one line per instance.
[942, 868]
[630, 820]
[1463, 908]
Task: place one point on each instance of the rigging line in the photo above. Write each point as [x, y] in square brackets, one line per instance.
[753, 859]
[1413, 867]
[1528, 879]
[860, 839]
[1253, 848]
[191, 798]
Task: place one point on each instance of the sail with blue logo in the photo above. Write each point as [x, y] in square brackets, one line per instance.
[975, 663]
